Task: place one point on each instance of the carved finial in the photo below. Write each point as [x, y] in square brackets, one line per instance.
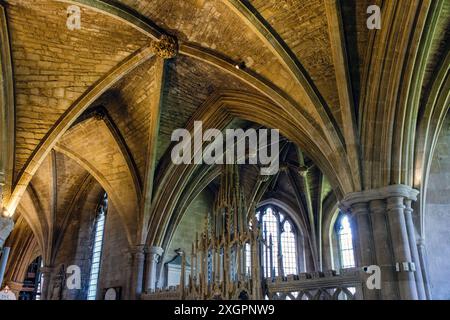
[166, 47]
[303, 171]
[99, 115]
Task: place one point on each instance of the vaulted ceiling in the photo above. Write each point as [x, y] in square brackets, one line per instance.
[359, 104]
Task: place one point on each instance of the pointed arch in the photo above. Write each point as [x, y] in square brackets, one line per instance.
[217, 112]
[7, 111]
[69, 117]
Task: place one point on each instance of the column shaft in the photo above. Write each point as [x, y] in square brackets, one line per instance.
[364, 236]
[45, 282]
[137, 272]
[153, 256]
[414, 252]
[365, 246]
[402, 252]
[391, 227]
[4, 254]
[6, 227]
[424, 263]
[383, 250]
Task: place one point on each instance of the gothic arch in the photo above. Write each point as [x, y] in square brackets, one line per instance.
[68, 118]
[286, 208]
[329, 133]
[217, 113]
[429, 127]
[25, 250]
[388, 147]
[126, 202]
[436, 217]
[7, 110]
[199, 181]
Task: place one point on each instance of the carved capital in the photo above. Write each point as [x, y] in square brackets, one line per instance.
[377, 206]
[99, 115]
[360, 208]
[303, 171]
[155, 252]
[393, 191]
[395, 203]
[166, 47]
[137, 252]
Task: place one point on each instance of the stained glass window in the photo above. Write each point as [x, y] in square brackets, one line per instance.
[280, 243]
[346, 243]
[248, 258]
[271, 231]
[289, 249]
[97, 249]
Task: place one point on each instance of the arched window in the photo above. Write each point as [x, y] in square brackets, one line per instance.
[40, 281]
[280, 253]
[248, 259]
[345, 241]
[289, 249]
[32, 284]
[271, 231]
[97, 248]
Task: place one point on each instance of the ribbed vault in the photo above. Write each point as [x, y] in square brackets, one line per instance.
[361, 109]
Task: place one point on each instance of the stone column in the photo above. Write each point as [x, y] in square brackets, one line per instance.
[383, 250]
[153, 256]
[46, 273]
[137, 271]
[364, 237]
[6, 227]
[402, 251]
[424, 264]
[4, 254]
[414, 251]
[387, 227]
[363, 241]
